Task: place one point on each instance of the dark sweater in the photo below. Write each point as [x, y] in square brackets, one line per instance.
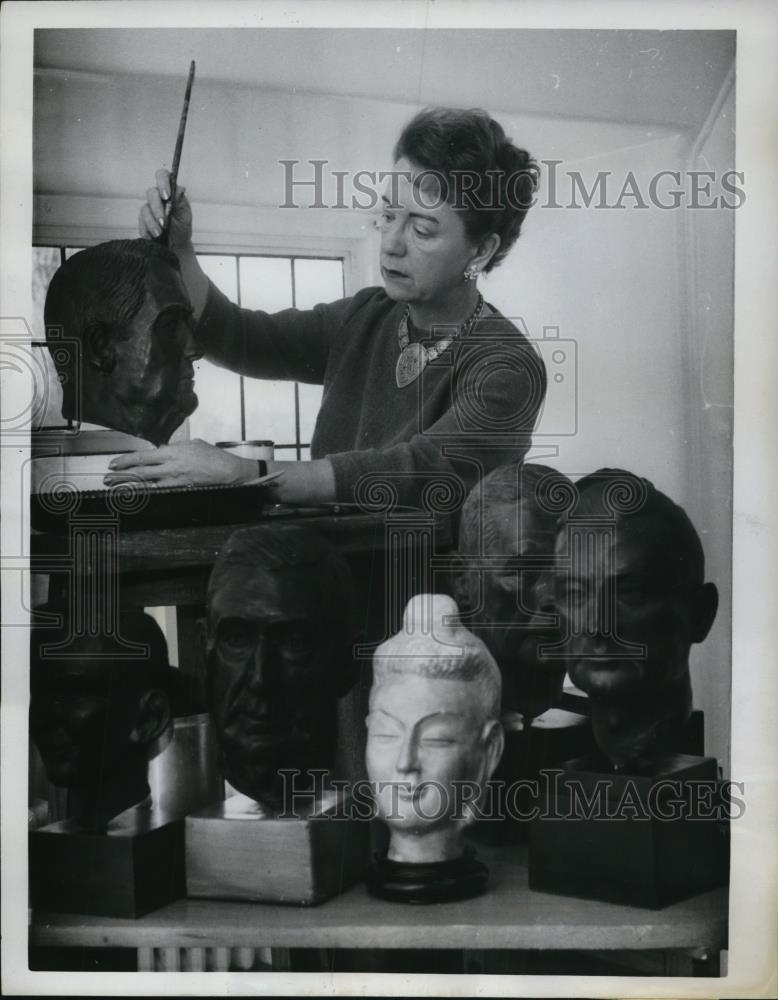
[472, 409]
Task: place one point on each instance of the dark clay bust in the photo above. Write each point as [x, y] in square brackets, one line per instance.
[632, 600]
[119, 329]
[95, 711]
[278, 654]
[509, 523]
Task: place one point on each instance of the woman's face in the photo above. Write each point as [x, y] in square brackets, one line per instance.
[424, 246]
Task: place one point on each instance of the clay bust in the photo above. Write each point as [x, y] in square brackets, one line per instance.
[633, 601]
[95, 713]
[433, 740]
[278, 653]
[119, 329]
[502, 582]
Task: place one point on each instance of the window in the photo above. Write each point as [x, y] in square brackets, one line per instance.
[233, 408]
[230, 407]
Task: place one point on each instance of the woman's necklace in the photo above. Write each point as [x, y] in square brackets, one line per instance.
[415, 357]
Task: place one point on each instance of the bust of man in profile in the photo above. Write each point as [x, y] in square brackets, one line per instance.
[502, 579]
[280, 628]
[632, 600]
[97, 704]
[119, 329]
[434, 738]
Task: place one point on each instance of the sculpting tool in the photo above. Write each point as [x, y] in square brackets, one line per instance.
[163, 238]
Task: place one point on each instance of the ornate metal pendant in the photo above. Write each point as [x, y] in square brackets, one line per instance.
[410, 364]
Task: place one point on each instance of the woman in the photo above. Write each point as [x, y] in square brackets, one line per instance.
[422, 379]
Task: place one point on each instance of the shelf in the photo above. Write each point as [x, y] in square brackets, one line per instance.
[508, 916]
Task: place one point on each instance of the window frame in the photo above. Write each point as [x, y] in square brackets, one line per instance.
[350, 250]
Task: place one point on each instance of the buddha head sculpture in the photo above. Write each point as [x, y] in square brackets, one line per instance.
[502, 581]
[433, 736]
[280, 629]
[97, 704]
[119, 328]
[632, 600]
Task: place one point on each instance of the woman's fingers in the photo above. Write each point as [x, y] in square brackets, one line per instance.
[148, 225]
[155, 204]
[162, 178]
[177, 482]
[160, 212]
[150, 475]
[181, 464]
[154, 456]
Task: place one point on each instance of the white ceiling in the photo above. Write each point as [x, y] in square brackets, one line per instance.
[664, 78]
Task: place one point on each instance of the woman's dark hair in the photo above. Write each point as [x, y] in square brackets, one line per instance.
[491, 181]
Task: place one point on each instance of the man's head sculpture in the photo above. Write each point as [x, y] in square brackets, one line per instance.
[631, 593]
[433, 733]
[280, 629]
[98, 703]
[119, 329]
[502, 581]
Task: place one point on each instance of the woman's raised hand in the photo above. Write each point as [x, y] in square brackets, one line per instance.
[159, 211]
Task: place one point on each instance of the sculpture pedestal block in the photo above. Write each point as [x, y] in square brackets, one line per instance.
[644, 840]
[557, 735]
[134, 867]
[301, 861]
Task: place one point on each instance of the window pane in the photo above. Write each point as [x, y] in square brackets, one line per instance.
[45, 261]
[47, 404]
[310, 401]
[317, 281]
[72, 251]
[217, 417]
[222, 271]
[265, 283]
[314, 281]
[269, 410]
[47, 392]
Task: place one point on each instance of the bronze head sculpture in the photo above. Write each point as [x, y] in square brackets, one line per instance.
[502, 581]
[278, 656]
[96, 707]
[433, 741]
[119, 329]
[631, 592]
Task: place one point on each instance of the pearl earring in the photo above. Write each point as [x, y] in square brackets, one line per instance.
[471, 273]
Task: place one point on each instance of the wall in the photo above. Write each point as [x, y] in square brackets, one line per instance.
[608, 279]
[709, 244]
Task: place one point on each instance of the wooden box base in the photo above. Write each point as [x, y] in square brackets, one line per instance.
[134, 867]
[623, 850]
[300, 861]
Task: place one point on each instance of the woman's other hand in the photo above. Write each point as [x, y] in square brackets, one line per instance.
[191, 463]
[159, 212]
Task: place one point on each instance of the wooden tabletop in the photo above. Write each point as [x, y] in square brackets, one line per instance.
[191, 547]
[508, 915]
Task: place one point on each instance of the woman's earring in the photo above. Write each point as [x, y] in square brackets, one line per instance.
[471, 273]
